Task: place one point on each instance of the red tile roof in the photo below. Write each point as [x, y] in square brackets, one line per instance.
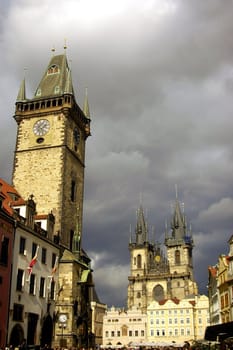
[10, 196]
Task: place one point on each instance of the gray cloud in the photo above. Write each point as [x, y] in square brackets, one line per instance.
[159, 76]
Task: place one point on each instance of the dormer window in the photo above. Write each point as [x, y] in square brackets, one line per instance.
[53, 69]
[38, 93]
[57, 89]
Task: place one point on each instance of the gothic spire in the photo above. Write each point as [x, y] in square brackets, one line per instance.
[178, 224]
[22, 92]
[86, 109]
[141, 227]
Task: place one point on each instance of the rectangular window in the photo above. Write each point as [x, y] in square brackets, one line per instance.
[20, 278]
[187, 320]
[106, 334]
[112, 333]
[136, 333]
[43, 255]
[118, 333]
[18, 312]
[42, 287]
[130, 333]
[72, 193]
[34, 248]
[22, 245]
[142, 333]
[53, 260]
[32, 284]
[4, 251]
[152, 332]
[52, 290]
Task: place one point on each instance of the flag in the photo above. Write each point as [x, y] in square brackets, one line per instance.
[54, 269]
[33, 261]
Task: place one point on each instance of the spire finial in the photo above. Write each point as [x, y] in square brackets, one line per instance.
[53, 49]
[176, 189]
[65, 45]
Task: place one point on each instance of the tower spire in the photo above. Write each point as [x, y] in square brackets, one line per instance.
[86, 109]
[22, 90]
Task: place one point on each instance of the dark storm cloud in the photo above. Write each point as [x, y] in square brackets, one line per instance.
[160, 77]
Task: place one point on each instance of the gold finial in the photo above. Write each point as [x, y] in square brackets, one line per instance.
[65, 46]
[53, 50]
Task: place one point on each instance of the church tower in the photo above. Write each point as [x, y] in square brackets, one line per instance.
[50, 148]
[179, 244]
[160, 272]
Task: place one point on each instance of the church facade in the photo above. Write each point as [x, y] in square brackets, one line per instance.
[154, 275]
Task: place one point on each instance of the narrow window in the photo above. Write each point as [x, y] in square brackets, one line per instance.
[43, 255]
[18, 312]
[22, 245]
[4, 251]
[72, 193]
[34, 248]
[52, 290]
[139, 261]
[53, 260]
[19, 283]
[42, 287]
[32, 284]
[177, 257]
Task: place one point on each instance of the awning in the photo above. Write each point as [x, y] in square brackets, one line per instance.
[219, 331]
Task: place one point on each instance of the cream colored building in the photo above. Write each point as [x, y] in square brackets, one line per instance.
[179, 320]
[122, 327]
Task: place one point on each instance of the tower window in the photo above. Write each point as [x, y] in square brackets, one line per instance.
[57, 89]
[71, 238]
[72, 193]
[177, 257]
[53, 69]
[139, 261]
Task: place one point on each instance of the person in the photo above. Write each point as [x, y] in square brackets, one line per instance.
[23, 345]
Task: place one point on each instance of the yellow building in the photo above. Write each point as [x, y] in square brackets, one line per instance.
[177, 320]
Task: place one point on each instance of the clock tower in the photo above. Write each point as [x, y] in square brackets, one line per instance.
[50, 148]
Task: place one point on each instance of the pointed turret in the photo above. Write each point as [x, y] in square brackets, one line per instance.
[86, 109]
[141, 227]
[69, 85]
[178, 224]
[22, 92]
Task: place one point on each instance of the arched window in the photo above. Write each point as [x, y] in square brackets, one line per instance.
[158, 293]
[177, 257]
[139, 261]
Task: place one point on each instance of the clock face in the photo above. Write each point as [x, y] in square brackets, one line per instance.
[62, 318]
[41, 127]
[76, 135]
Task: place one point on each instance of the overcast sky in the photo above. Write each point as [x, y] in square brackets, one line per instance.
[160, 82]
